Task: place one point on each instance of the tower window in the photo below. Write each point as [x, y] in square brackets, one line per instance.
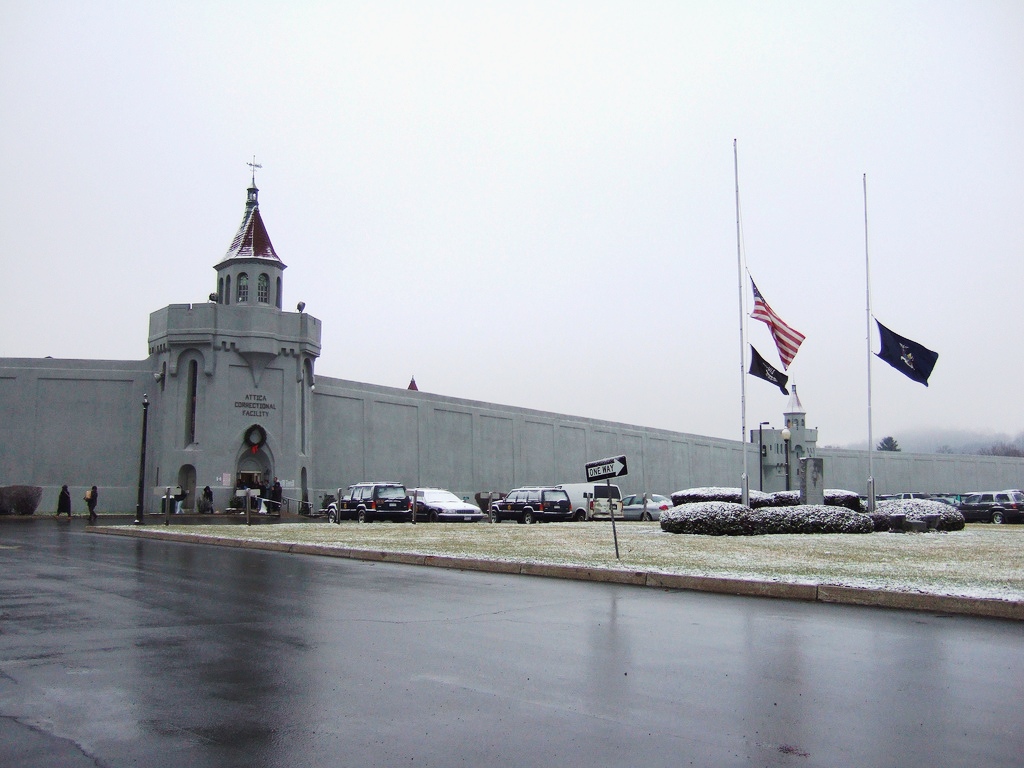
[220, 290]
[277, 299]
[190, 402]
[263, 289]
[243, 288]
[227, 290]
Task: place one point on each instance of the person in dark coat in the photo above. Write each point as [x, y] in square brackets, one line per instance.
[92, 496]
[207, 500]
[275, 494]
[64, 502]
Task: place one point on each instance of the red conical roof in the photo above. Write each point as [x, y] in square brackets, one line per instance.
[252, 240]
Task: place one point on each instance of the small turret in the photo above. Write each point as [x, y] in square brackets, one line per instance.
[251, 271]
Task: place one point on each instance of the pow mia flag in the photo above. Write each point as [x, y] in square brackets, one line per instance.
[908, 357]
[764, 370]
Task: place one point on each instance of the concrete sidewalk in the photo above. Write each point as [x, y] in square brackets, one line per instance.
[810, 592]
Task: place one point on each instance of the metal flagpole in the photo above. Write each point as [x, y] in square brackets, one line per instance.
[867, 288]
[744, 483]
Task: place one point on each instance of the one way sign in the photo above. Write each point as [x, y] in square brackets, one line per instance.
[602, 469]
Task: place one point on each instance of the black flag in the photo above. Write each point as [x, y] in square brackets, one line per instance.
[906, 356]
[763, 370]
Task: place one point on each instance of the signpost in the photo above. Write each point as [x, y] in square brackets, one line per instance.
[606, 469]
[166, 499]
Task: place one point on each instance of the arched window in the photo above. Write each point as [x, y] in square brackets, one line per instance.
[220, 290]
[277, 299]
[243, 288]
[227, 290]
[263, 289]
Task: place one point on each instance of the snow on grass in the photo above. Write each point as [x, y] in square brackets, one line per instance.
[981, 561]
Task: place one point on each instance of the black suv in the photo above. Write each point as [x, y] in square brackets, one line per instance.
[532, 505]
[996, 507]
[367, 502]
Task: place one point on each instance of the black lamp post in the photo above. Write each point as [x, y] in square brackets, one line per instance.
[142, 462]
[761, 452]
[786, 434]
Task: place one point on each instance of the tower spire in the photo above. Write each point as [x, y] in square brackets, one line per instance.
[253, 199]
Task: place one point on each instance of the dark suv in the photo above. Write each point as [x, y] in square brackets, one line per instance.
[532, 505]
[996, 507]
[367, 502]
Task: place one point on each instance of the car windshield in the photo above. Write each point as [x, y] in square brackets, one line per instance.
[1018, 497]
[439, 496]
[391, 492]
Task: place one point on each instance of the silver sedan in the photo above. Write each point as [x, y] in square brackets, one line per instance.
[648, 506]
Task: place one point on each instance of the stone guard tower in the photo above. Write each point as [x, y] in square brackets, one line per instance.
[234, 379]
[772, 452]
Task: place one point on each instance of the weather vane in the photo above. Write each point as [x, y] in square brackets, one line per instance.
[254, 165]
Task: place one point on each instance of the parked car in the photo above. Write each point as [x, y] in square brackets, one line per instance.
[635, 508]
[438, 505]
[593, 500]
[994, 507]
[367, 502]
[532, 505]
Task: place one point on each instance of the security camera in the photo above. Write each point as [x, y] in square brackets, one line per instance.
[301, 306]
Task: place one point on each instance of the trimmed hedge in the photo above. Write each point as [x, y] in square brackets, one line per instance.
[20, 499]
[833, 497]
[950, 518]
[723, 518]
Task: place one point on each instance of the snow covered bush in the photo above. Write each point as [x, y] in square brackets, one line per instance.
[715, 493]
[20, 499]
[782, 499]
[950, 518]
[833, 497]
[723, 518]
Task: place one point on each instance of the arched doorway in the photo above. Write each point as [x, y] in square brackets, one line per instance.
[187, 481]
[255, 466]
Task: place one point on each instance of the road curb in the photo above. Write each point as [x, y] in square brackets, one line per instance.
[807, 592]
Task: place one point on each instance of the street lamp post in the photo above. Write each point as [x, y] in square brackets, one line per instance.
[142, 461]
[786, 434]
[761, 452]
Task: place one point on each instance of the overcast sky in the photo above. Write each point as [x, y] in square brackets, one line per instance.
[534, 204]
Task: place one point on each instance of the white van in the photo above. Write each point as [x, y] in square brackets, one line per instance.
[590, 500]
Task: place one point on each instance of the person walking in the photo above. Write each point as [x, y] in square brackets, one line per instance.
[64, 502]
[91, 497]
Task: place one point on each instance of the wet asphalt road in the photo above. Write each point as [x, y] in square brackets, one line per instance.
[120, 652]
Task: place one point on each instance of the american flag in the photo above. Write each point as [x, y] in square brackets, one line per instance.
[787, 339]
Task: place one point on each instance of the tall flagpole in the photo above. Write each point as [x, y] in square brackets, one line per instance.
[744, 482]
[867, 288]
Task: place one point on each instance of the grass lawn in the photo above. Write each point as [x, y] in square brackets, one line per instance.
[981, 561]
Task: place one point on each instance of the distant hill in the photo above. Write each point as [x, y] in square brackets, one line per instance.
[946, 441]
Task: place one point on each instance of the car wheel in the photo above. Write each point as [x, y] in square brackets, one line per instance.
[361, 516]
[528, 517]
[432, 517]
[646, 516]
[580, 516]
[332, 516]
[997, 518]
